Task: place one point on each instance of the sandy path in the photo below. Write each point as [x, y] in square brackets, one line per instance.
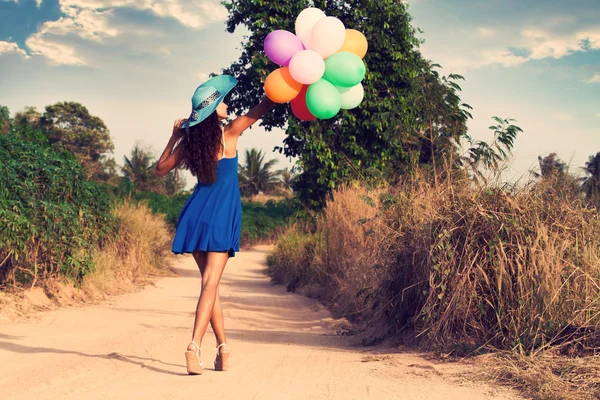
[282, 348]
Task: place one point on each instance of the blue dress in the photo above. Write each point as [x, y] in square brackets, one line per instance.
[211, 219]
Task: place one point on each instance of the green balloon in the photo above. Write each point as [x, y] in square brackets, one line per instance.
[323, 99]
[344, 69]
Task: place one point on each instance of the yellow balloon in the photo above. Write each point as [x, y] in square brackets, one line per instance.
[355, 43]
[280, 87]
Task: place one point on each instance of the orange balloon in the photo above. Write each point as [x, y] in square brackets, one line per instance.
[355, 43]
[280, 87]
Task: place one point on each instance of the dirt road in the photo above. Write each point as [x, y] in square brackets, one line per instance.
[282, 344]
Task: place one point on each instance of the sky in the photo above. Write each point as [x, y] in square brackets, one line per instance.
[136, 63]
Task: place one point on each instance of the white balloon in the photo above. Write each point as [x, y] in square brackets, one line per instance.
[327, 36]
[352, 96]
[305, 22]
[307, 67]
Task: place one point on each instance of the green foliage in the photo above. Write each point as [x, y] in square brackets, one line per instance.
[591, 184]
[255, 175]
[261, 222]
[4, 120]
[491, 155]
[384, 132]
[168, 205]
[51, 218]
[70, 126]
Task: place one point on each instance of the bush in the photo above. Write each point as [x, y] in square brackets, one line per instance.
[296, 260]
[264, 222]
[141, 248]
[513, 269]
[51, 218]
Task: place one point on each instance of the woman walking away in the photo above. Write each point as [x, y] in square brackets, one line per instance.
[209, 225]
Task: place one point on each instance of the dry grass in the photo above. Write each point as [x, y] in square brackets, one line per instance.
[140, 250]
[263, 198]
[513, 270]
[545, 377]
[464, 270]
[128, 260]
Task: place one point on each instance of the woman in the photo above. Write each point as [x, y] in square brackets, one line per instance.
[209, 225]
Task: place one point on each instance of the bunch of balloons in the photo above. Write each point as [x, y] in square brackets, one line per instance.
[321, 66]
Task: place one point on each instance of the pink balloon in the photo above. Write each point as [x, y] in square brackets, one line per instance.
[327, 36]
[307, 67]
[281, 46]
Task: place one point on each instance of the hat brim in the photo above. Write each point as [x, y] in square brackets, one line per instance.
[224, 84]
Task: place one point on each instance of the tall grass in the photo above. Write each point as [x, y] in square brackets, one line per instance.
[139, 250]
[514, 269]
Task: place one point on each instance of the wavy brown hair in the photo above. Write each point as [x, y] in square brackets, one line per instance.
[201, 147]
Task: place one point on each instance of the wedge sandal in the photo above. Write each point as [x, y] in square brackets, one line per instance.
[222, 360]
[192, 359]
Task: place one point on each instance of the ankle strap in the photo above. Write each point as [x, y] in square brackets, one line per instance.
[197, 347]
[219, 346]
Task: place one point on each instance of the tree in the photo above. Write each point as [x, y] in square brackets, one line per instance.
[287, 178]
[378, 134]
[489, 156]
[591, 183]
[4, 120]
[70, 126]
[139, 168]
[255, 175]
[551, 167]
[173, 182]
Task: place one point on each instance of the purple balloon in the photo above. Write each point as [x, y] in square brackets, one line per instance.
[281, 46]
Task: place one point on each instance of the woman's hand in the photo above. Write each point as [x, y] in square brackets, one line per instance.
[177, 130]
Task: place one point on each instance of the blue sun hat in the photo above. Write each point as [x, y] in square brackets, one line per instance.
[207, 97]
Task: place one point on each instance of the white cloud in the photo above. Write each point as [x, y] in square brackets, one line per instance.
[11, 47]
[545, 44]
[502, 57]
[560, 116]
[594, 79]
[485, 32]
[195, 14]
[203, 76]
[95, 21]
[39, 3]
[57, 53]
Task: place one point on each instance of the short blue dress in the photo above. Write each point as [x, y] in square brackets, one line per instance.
[211, 219]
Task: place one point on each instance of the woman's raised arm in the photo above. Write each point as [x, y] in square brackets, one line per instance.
[243, 122]
[169, 159]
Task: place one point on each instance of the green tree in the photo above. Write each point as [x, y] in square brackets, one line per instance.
[173, 182]
[255, 175]
[287, 178]
[4, 120]
[378, 134]
[591, 183]
[139, 169]
[70, 126]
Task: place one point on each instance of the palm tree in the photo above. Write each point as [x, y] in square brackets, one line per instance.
[139, 169]
[551, 167]
[287, 178]
[591, 184]
[256, 175]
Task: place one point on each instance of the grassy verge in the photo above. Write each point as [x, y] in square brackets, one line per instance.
[459, 270]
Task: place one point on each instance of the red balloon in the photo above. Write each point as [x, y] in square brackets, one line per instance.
[299, 107]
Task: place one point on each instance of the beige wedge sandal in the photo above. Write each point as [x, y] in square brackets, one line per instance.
[192, 359]
[222, 360]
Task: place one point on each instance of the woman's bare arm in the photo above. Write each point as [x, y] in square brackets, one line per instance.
[171, 158]
[241, 123]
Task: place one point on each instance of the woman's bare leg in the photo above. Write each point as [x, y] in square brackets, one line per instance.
[216, 318]
[215, 264]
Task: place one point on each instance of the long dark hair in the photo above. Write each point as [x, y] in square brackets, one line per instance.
[201, 146]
